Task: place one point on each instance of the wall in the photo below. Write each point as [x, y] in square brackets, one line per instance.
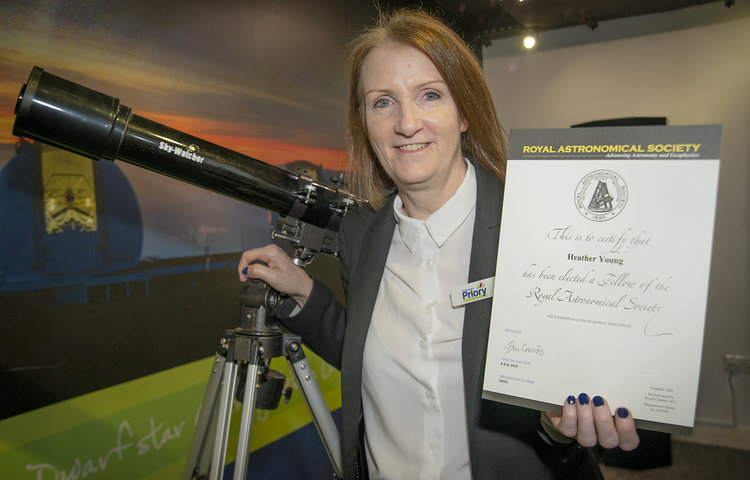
[692, 67]
[104, 357]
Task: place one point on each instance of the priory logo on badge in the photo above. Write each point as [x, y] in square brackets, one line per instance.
[601, 195]
[474, 293]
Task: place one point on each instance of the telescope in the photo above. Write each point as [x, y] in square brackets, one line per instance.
[81, 120]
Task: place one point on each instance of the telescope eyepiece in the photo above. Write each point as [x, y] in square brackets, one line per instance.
[20, 99]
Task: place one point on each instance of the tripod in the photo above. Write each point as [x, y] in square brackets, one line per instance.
[252, 345]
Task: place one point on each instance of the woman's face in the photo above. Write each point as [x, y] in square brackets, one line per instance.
[411, 119]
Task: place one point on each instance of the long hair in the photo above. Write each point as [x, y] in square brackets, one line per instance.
[483, 141]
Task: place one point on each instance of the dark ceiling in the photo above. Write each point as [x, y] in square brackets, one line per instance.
[492, 19]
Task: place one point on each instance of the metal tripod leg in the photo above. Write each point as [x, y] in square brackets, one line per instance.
[194, 465]
[215, 418]
[246, 421]
[223, 418]
[321, 416]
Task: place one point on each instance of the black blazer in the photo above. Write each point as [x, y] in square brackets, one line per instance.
[504, 441]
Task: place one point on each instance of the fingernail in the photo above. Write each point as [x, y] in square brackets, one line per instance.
[244, 271]
[571, 400]
[583, 399]
[598, 401]
[622, 412]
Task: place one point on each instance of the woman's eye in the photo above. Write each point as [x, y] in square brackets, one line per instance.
[432, 96]
[381, 103]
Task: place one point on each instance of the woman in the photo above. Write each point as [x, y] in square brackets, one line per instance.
[427, 151]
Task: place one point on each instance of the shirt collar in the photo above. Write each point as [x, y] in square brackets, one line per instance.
[442, 223]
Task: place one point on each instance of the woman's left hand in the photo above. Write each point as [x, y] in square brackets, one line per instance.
[589, 421]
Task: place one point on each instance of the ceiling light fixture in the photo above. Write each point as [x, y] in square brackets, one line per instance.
[529, 40]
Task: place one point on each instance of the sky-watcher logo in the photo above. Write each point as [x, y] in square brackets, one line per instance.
[474, 293]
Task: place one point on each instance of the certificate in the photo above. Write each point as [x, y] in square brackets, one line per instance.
[602, 269]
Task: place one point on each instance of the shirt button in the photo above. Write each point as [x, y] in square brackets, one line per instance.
[430, 262]
[421, 344]
[433, 446]
[428, 394]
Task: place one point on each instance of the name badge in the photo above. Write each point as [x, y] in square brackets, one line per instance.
[473, 292]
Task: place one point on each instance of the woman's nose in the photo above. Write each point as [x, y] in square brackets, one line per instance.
[409, 119]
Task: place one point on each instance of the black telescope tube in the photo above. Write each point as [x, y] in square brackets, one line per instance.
[95, 125]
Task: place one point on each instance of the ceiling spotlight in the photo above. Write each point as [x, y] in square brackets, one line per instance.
[529, 41]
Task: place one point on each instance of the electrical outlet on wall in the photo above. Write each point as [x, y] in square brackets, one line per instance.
[737, 363]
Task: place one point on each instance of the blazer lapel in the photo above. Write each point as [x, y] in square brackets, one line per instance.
[364, 283]
[481, 266]
[366, 276]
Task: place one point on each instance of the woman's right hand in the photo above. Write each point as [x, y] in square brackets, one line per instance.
[279, 272]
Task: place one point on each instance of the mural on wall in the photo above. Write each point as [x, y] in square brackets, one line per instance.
[108, 271]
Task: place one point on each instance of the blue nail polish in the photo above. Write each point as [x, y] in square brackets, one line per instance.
[583, 399]
[244, 271]
[622, 412]
[571, 400]
[598, 401]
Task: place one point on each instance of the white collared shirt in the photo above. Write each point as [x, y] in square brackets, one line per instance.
[412, 380]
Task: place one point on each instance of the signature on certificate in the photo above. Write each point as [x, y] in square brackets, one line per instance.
[513, 347]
